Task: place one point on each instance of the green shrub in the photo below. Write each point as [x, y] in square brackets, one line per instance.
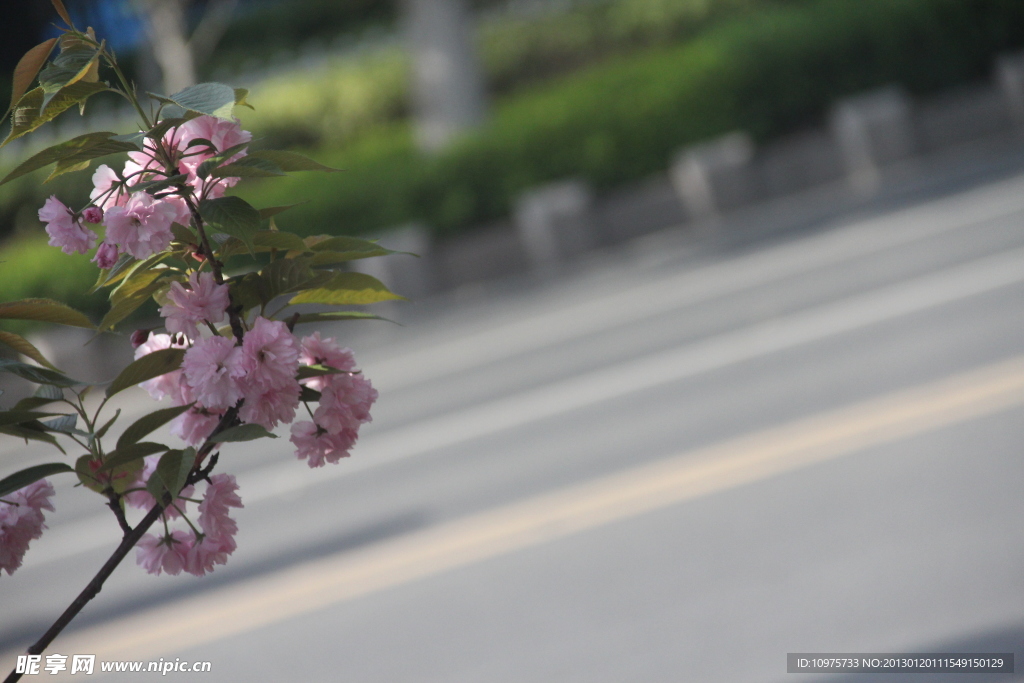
[625, 118]
[29, 267]
[333, 103]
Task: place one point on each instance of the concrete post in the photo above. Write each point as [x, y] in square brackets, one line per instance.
[410, 276]
[448, 94]
[698, 172]
[872, 130]
[555, 222]
[1010, 75]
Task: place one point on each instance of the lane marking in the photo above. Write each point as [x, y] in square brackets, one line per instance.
[606, 384]
[648, 299]
[648, 372]
[313, 586]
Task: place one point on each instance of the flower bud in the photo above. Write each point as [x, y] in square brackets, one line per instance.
[106, 255]
[93, 214]
[139, 338]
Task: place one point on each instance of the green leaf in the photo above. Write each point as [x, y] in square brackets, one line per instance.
[36, 375]
[171, 473]
[135, 451]
[29, 114]
[248, 167]
[44, 310]
[32, 431]
[154, 186]
[271, 211]
[31, 475]
[44, 394]
[279, 277]
[149, 366]
[347, 288]
[73, 64]
[27, 68]
[102, 431]
[264, 240]
[148, 423]
[268, 163]
[131, 266]
[13, 417]
[64, 424]
[135, 281]
[81, 161]
[157, 131]
[307, 371]
[217, 159]
[87, 474]
[215, 99]
[59, 6]
[242, 433]
[77, 149]
[308, 395]
[232, 216]
[129, 304]
[290, 161]
[25, 348]
[240, 98]
[108, 275]
[335, 315]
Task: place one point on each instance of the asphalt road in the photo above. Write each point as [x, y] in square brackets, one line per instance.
[661, 466]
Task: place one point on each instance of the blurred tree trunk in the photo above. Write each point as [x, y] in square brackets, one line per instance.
[448, 94]
[177, 55]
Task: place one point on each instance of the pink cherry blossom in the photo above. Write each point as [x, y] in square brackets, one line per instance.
[271, 406]
[222, 133]
[142, 227]
[106, 255]
[164, 553]
[345, 403]
[164, 385]
[204, 555]
[195, 424]
[93, 214]
[317, 351]
[105, 191]
[213, 372]
[221, 494]
[270, 357]
[205, 300]
[64, 229]
[320, 446]
[22, 521]
[140, 498]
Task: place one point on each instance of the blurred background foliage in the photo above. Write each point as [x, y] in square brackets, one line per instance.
[606, 90]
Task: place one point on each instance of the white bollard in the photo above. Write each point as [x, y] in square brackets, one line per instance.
[872, 130]
[699, 172]
[411, 276]
[1010, 75]
[555, 222]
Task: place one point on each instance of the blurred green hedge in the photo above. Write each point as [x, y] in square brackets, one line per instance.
[332, 103]
[768, 73]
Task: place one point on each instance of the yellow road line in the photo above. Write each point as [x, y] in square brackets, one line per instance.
[312, 586]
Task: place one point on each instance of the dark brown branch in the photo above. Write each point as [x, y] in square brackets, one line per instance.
[114, 503]
[93, 588]
[131, 537]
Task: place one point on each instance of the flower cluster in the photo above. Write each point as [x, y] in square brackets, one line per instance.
[345, 401]
[137, 222]
[21, 521]
[196, 551]
[237, 366]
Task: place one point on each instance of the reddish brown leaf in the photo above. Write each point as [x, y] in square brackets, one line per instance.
[28, 67]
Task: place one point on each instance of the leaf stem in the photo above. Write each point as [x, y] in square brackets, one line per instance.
[129, 91]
